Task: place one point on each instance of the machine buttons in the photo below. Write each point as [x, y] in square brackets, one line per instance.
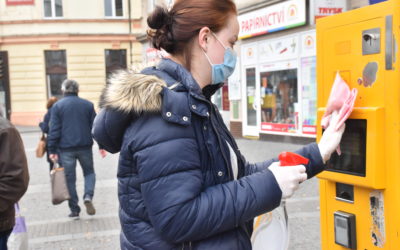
[345, 229]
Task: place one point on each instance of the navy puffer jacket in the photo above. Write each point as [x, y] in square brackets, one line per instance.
[176, 185]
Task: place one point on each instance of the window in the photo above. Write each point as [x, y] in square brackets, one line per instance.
[115, 60]
[113, 8]
[279, 105]
[53, 8]
[56, 71]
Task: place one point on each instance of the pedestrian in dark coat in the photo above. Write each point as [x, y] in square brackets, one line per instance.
[44, 126]
[70, 140]
[183, 183]
[14, 177]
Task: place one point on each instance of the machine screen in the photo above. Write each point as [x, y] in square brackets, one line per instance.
[353, 147]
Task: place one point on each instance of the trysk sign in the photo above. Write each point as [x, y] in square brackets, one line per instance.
[325, 8]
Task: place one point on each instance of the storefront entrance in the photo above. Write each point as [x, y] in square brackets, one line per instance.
[279, 86]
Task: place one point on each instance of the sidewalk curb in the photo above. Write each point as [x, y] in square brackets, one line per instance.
[28, 129]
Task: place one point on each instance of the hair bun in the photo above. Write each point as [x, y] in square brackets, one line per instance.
[160, 33]
[158, 18]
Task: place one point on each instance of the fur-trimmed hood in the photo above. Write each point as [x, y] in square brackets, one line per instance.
[129, 91]
[168, 89]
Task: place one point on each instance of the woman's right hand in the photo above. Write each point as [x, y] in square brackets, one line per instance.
[288, 177]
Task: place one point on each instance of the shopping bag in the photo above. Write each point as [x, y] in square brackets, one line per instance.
[18, 239]
[59, 189]
[41, 147]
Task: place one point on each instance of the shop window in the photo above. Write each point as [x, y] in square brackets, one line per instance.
[279, 104]
[56, 71]
[113, 8]
[309, 95]
[53, 8]
[115, 60]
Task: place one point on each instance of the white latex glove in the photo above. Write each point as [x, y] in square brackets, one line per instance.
[330, 139]
[288, 177]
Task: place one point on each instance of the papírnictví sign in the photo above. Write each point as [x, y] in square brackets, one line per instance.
[273, 18]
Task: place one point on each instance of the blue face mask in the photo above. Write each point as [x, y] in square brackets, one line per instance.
[221, 72]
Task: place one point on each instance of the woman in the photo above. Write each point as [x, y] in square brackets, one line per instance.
[183, 183]
[44, 125]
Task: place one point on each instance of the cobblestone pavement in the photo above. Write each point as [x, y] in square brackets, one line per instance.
[50, 228]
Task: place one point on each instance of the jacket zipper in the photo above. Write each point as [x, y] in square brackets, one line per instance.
[230, 172]
[190, 245]
[241, 161]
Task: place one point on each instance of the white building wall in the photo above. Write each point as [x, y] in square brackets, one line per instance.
[72, 9]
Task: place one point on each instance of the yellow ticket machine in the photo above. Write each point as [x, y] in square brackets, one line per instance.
[360, 190]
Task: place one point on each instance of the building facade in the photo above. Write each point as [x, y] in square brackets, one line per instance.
[273, 89]
[43, 42]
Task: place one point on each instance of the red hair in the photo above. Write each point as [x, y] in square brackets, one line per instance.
[51, 101]
[173, 30]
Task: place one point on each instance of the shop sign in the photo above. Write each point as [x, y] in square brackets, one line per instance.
[249, 54]
[308, 43]
[20, 2]
[286, 15]
[325, 8]
[275, 66]
[280, 49]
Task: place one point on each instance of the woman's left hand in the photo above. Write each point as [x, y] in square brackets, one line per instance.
[331, 138]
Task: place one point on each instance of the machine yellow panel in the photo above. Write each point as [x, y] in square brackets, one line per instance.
[351, 63]
[370, 227]
[370, 172]
[360, 189]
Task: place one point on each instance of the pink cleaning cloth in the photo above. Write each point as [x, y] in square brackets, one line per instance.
[341, 100]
